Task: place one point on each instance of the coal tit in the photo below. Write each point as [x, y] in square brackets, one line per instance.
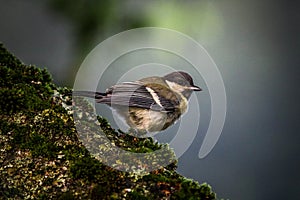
[150, 104]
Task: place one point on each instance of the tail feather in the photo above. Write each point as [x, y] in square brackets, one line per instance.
[90, 94]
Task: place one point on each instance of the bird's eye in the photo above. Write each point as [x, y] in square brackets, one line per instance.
[182, 82]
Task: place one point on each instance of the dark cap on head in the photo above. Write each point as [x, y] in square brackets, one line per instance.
[181, 78]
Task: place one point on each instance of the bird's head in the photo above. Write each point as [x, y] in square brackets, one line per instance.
[181, 82]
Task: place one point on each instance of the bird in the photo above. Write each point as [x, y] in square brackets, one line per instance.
[150, 104]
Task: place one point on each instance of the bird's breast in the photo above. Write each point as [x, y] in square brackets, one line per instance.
[150, 120]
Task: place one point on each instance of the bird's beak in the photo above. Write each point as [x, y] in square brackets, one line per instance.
[195, 88]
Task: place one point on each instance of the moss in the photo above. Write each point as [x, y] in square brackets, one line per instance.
[127, 141]
[42, 157]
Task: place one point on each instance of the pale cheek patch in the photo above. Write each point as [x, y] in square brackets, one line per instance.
[154, 96]
[175, 86]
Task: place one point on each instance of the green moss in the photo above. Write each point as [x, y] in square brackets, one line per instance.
[86, 168]
[42, 157]
[126, 141]
[40, 145]
[134, 195]
[66, 196]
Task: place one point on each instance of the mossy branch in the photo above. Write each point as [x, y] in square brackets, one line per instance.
[42, 157]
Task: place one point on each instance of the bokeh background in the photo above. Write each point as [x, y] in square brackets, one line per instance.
[255, 44]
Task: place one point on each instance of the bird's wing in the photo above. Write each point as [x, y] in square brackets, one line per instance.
[136, 94]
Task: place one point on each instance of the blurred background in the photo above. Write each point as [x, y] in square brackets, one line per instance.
[255, 44]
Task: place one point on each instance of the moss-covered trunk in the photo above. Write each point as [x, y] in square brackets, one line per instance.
[42, 158]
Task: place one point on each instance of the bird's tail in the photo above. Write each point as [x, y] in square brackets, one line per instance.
[90, 94]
